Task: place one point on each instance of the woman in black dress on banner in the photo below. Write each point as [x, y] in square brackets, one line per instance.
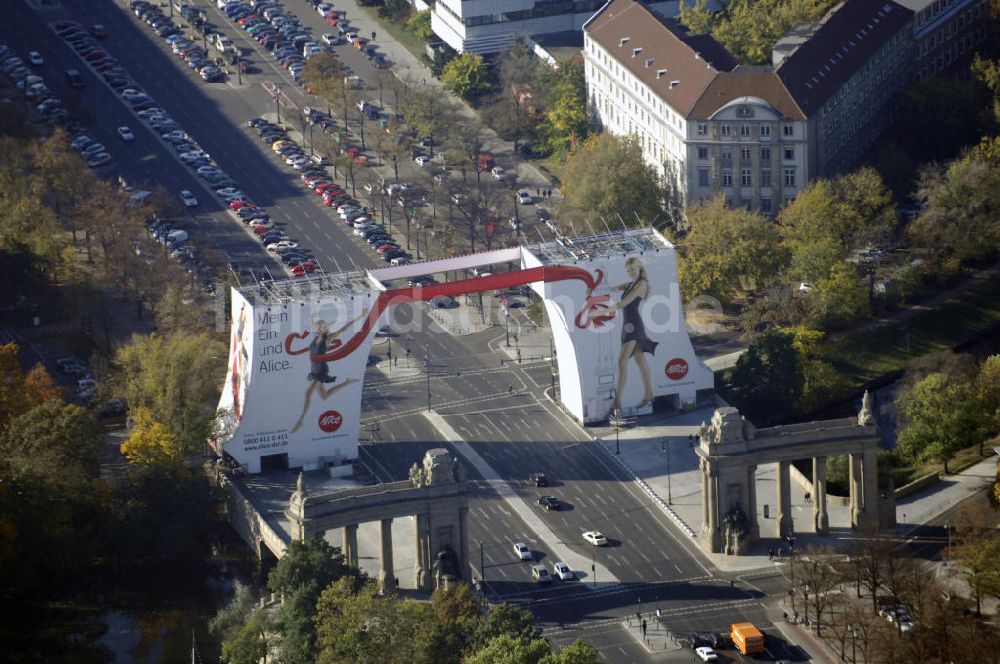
[635, 343]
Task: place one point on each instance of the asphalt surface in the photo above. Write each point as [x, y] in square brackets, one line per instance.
[517, 434]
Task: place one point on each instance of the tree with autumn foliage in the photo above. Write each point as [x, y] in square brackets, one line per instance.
[20, 391]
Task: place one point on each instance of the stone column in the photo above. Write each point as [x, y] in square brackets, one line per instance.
[711, 537]
[857, 495]
[351, 544]
[463, 544]
[386, 575]
[821, 521]
[785, 524]
[752, 524]
[422, 562]
[869, 493]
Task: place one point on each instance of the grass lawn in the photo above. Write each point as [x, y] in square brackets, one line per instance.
[413, 44]
[873, 353]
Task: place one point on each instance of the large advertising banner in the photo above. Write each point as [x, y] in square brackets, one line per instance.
[288, 390]
[297, 360]
[622, 342]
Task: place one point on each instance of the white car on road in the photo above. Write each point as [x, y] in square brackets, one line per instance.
[188, 198]
[595, 538]
[522, 551]
[524, 198]
[562, 570]
[36, 58]
[126, 133]
[706, 654]
[421, 160]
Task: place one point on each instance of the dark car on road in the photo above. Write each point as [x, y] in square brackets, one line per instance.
[539, 479]
[549, 502]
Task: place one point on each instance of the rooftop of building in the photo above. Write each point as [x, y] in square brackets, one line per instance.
[696, 75]
[345, 284]
[567, 250]
[843, 41]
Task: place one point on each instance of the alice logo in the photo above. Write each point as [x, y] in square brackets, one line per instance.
[330, 421]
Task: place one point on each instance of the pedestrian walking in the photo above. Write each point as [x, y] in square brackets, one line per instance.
[644, 628]
[373, 35]
[510, 390]
[538, 193]
[502, 362]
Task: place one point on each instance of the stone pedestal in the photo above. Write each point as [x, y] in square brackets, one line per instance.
[821, 520]
[351, 545]
[386, 575]
[786, 526]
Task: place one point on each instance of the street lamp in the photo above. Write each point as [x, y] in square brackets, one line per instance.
[276, 95]
[665, 447]
[947, 528]
[791, 555]
[427, 370]
[506, 312]
[807, 604]
[854, 644]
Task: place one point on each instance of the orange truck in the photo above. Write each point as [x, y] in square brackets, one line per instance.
[748, 639]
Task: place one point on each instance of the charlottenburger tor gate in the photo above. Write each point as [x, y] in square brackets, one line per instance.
[299, 348]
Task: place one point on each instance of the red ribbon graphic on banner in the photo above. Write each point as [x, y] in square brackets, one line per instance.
[491, 282]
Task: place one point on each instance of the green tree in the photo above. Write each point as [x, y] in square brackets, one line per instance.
[839, 297]
[958, 220]
[750, 28]
[356, 624]
[466, 76]
[178, 378]
[821, 382]
[939, 417]
[506, 619]
[307, 568]
[729, 252]
[323, 75]
[977, 554]
[768, 377]
[830, 219]
[565, 122]
[245, 629]
[150, 442]
[509, 649]
[419, 25]
[55, 440]
[607, 178]
[578, 652]
[988, 388]
[184, 504]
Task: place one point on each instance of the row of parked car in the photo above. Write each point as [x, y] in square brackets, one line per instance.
[194, 55]
[46, 103]
[316, 178]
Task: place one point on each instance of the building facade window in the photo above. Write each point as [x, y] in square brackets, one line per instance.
[765, 205]
[702, 129]
[789, 177]
[745, 177]
[789, 154]
[765, 177]
[744, 130]
[726, 130]
[727, 178]
[788, 130]
[765, 154]
[702, 152]
[702, 176]
[765, 130]
[726, 154]
[744, 153]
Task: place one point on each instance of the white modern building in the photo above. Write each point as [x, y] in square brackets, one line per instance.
[489, 26]
[758, 134]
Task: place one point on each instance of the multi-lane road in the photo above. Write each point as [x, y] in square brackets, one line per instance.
[499, 410]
